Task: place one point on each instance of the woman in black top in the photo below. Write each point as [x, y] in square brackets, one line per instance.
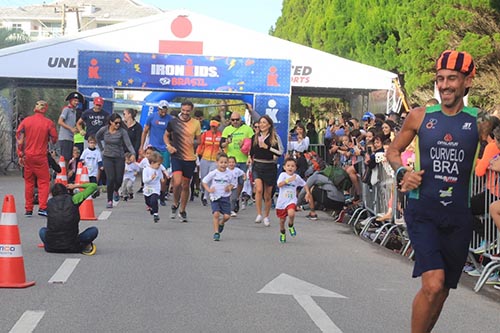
[264, 153]
[134, 129]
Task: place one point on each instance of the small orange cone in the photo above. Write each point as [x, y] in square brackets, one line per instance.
[87, 207]
[62, 177]
[78, 173]
[11, 254]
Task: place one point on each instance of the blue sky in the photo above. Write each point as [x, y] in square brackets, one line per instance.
[257, 15]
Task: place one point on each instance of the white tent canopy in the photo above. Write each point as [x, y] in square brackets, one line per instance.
[184, 32]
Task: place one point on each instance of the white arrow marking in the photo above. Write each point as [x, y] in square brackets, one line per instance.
[303, 291]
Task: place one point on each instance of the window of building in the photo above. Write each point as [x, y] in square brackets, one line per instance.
[17, 27]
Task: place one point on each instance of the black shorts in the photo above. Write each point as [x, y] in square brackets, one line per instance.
[267, 172]
[440, 241]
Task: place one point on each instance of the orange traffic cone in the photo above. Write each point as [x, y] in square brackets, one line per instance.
[11, 253]
[78, 173]
[87, 207]
[62, 177]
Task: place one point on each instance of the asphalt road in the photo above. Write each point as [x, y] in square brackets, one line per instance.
[172, 277]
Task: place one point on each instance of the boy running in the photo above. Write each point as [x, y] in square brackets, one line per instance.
[219, 183]
[288, 182]
[152, 176]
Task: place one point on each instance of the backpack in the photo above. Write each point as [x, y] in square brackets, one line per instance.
[338, 177]
[315, 162]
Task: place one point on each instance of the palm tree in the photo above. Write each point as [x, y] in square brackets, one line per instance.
[11, 37]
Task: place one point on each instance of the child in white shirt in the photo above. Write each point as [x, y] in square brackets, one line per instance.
[152, 176]
[236, 172]
[92, 159]
[131, 170]
[288, 181]
[218, 184]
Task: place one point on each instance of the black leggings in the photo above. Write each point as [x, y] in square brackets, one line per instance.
[114, 167]
[152, 202]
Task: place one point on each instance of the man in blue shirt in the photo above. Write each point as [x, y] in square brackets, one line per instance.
[155, 127]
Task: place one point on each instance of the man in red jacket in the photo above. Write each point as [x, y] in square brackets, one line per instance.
[33, 136]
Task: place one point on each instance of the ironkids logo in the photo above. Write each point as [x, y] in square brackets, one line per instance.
[184, 70]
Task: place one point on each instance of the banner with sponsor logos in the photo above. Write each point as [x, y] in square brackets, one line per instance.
[153, 71]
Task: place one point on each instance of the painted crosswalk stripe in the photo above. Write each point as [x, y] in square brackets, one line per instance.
[104, 215]
[63, 273]
[27, 322]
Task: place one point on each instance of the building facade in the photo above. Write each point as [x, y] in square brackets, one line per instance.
[66, 17]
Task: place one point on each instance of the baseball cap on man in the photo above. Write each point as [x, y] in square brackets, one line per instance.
[367, 116]
[163, 104]
[459, 61]
[98, 101]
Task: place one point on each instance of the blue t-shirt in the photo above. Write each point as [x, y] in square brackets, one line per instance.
[157, 126]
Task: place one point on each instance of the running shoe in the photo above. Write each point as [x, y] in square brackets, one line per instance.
[173, 214]
[109, 204]
[233, 213]
[221, 228]
[312, 217]
[495, 257]
[475, 273]
[204, 201]
[282, 238]
[292, 231]
[156, 218]
[183, 216]
[28, 213]
[131, 195]
[493, 279]
[243, 204]
[258, 219]
[139, 190]
[116, 196]
[42, 212]
[89, 250]
[216, 237]
[163, 203]
[267, 222]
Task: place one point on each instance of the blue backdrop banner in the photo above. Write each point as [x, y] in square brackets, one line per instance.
[150, 71]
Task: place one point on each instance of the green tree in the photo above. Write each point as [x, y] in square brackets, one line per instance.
[12, 37]
[404, 37]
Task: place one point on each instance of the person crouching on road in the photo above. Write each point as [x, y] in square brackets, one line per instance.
[63, 216]
[218, 184]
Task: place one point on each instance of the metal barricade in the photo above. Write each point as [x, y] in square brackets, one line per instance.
[487, 243]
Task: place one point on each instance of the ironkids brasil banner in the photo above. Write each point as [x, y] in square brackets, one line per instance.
[127, 70]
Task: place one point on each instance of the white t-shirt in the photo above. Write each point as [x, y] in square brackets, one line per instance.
[151, 185]
[91, 158]
[219, 180]
[130, 170]
[288, 192]
[236, 172]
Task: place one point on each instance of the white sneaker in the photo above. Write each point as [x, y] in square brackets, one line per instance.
[258, 219]
[233, 213]
[267, 223]
[400, 221]
[243, 205]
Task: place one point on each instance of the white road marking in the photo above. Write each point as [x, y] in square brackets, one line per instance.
[64, 271]
[27, 322]
[104, 215]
